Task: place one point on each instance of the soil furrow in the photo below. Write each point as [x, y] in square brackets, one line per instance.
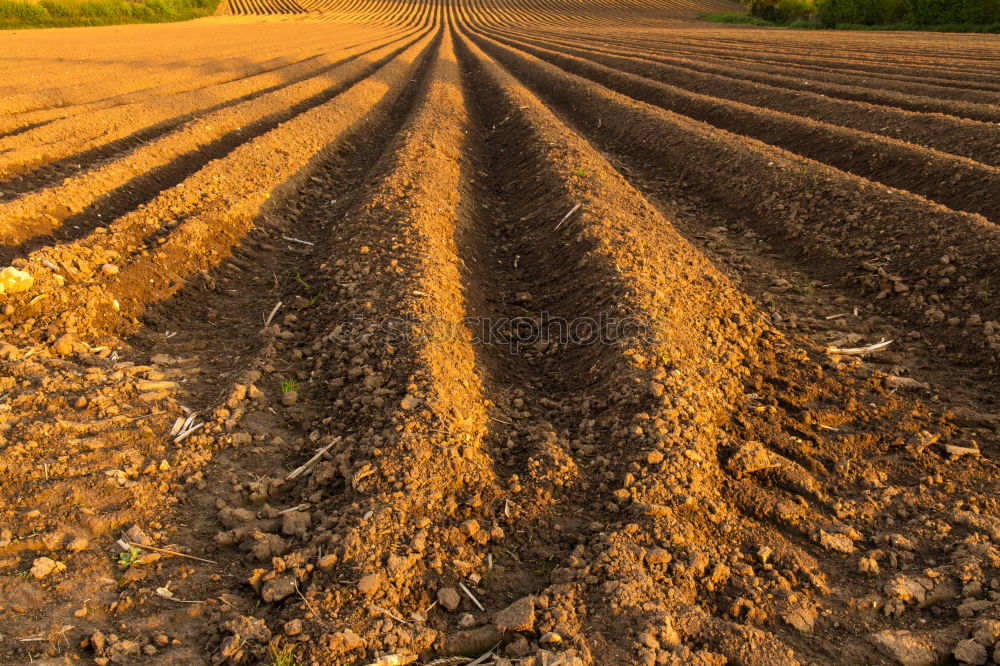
[107, 192]
[139, 121]
[652, 464]
[957, 183]
[117, 84]
[24, 121]
[209, 310]
[471, 335]
[919, 88]
[208, 212]
[966, 138]
[807, 204]
[980, 112]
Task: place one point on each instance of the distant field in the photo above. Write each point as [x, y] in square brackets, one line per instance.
[498, 332]
[68, 13]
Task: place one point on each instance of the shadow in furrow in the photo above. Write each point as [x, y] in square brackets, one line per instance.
[230, 302]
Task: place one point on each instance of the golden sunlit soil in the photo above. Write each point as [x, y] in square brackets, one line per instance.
[523, 332]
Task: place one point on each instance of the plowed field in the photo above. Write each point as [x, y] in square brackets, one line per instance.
[499, 332]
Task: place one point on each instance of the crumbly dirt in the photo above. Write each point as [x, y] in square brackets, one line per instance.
[299, 333]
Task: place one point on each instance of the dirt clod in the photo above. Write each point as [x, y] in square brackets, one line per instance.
[519, 616]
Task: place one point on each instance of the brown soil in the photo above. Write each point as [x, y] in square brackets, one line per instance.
[348, 241]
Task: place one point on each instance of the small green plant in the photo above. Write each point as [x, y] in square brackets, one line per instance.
[282, 657]
[289, 386]
[580, 172]
[305, 285]
[986, 290]
[313, 300]
[129, 557]
[805, 286]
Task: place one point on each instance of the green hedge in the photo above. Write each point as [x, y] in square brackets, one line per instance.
[66, 13]
[913, 12]
[970, 14]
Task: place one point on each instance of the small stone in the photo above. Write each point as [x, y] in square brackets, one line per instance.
[347, 640]
[550, 637]
[970, 607]
[803, 618]
[369, 584]
[109, 269]
[970, 652]
[327, 562]
[123, 652]
[654, 457]
[448, 597]
[98, 641]
[63, 345]
[906, 648]
[293, 627]
[295, 523]
[519, 616]
[987, 632]
[43, 566]
[467, 620]
[409, 402]
[905, 588]
[136, 535]
[902, 542]
[838, 542]
[289, 398]
[470, 527]
[518, 648]
[278, 588]
[658, 556]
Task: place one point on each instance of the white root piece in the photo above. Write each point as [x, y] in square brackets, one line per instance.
[566, 216]
[267, 322]
[388, 614]
[296, 240]
[302, 468]
[184, 435]
[488, 655]
[184, 427]
[165, 593]
[61, 632]
[470, 595]
[126, 543]
[859, 351]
